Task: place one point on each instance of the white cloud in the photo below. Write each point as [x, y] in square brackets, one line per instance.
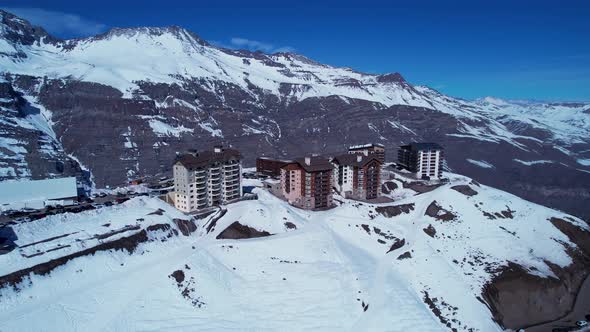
[58, 23]
[254, 45]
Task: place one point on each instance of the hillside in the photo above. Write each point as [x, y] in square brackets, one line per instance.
[447, 259]
[120, 105]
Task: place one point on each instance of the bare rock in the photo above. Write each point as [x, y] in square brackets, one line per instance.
[430, 230]
[178, 275]
[437, 212]
[465, 190]
[394, 210]
[397, 244]
[186, 227]
[388, 187]
[405, 255]
[239, 231]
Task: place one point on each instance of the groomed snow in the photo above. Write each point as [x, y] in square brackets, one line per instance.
[325, 270]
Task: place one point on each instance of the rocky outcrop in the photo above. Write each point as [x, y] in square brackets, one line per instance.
[437, 212]
[465, 190]
[121, 135]
[388, 187]
[239, 231]
[394, 210]
[430, 230]
[186, 227]
[519, 299]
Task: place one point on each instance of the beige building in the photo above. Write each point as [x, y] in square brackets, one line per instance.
[207, 178]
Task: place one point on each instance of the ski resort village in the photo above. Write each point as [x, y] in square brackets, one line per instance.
[400, 246]
[151, 180]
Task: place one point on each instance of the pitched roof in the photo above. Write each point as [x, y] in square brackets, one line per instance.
[316, 164]
[422, 146]
[353, 159]
[364, 146]
[275, 159]
[204, 158]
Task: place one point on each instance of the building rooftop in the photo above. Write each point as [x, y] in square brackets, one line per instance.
[275, 159]
[422, 146]
[315, 164]
[364, 146]
[355, 159]
[204, 158]
[37, 190]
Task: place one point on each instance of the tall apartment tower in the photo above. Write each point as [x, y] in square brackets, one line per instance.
[378, 150]
[423, 159]
[307, 183]
[357, 176]
[207, 178]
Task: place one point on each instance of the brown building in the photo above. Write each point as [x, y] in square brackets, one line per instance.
[357, 176]
[377, 149]
[307, 183]
[270, 166]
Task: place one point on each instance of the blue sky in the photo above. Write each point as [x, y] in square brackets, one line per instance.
[509, 49]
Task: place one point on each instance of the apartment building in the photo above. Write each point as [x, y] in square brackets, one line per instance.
[377, 149]
[207, 178]
[307, 183]
[357, 176]
[423, 159]
[270, 166]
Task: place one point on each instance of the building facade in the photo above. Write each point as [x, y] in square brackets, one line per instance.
[357, 176]
[307, 183]
[207, 178]
[377, 149]
[423, 159]
[269, 166]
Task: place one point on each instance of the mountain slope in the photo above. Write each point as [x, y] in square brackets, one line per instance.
[124, 102]
[359, 266]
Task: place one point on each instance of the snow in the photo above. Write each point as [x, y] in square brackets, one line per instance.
[123, 57]
[209, 127]
[533, 162]
[314, 277]
[37, 190]
[585, 162]
[480, 163]
[163, 129]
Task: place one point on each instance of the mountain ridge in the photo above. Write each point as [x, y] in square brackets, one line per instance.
[153, 95]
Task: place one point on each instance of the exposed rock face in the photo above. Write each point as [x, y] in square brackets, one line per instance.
[437, 212]
[239, 231]
[120, 133]
[397, 244]
[430, 230]
[518, 299]
[388, 187]
[394, 210]
[186, 227]
[465, 190]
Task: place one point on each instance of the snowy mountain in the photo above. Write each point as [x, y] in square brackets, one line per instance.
[121, 104]
[447, 259]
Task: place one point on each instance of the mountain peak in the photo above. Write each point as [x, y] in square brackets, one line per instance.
[16, 30]
[391, 78]
[175, 30]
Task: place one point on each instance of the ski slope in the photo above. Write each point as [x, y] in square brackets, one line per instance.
[331, 270]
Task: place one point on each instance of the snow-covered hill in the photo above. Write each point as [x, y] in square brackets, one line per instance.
[122, 104]
[421, 263]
